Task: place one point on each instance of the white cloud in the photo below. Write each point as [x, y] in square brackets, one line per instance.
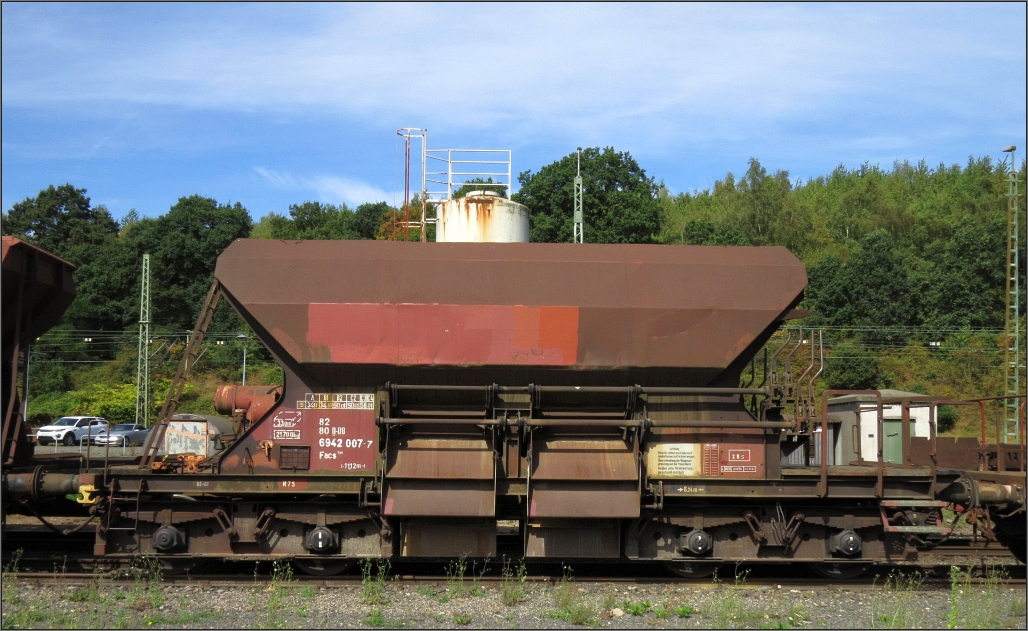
[329, 188]
[685, 72]
[691, 90]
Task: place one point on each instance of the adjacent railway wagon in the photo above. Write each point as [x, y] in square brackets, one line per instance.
[603, 402]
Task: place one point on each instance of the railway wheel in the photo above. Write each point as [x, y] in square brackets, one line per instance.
[691, 569]
[69, 439]
[839, 571]
[323, 567]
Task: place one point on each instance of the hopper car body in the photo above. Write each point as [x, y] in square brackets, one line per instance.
[590, 397]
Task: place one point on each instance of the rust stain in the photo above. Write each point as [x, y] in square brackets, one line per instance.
[429, 334]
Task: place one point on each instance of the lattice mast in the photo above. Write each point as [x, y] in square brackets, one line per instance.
[1013, 362]
[579, 236]
[143, 355]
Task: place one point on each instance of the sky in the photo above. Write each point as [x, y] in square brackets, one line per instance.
[275, 104]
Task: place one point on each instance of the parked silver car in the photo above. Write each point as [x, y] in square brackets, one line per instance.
[123, 434]
[70, 430]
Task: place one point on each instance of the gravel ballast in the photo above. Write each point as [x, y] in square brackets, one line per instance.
[287, 603]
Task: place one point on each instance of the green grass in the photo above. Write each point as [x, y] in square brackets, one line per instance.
[456, 572]
[462, 618]
[579, 613]
[172, 620]
[982, 605]
[98, 604]
[637, 609]
[893, 605]
[512, 589]
[728, 608]
[375, 618]
[282, 583]
[373, 576]
[571, 607]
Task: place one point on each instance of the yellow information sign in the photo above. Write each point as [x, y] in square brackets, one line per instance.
[674, 460]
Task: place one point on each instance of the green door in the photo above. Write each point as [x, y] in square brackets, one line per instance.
[893, 447]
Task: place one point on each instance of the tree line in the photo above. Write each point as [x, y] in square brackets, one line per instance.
[894, 256]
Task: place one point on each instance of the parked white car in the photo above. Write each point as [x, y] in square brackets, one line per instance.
[71, 430]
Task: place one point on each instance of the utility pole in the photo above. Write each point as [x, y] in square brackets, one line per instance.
[143, 355]
[1012, 362]
[407, 133]
[579, 237]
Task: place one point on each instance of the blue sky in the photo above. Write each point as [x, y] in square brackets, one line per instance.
[277, 104]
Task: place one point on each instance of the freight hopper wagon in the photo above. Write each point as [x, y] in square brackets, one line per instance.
[592, 395]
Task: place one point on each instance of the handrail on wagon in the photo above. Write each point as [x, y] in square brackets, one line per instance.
[593, 422]
[822, 486]
[584, 389]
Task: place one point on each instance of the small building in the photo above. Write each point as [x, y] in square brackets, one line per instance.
[857, 416]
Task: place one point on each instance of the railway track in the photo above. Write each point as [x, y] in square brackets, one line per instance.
[214, 581]
[46, 558]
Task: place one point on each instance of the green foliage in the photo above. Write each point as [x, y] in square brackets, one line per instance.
[947, 419]
[871, 291]
[637, 609]
[115, 403]
[60, 220]
[49, 376]
[314, 220]
[373, 575]
[455, 572]
[391, 227]
[184, 245]
[274, 226]
[367, 219]
[512, 590]
[850, 367]
[964, 284]
[476, 184]
[703, 232]
[618, 199]
[910, 246]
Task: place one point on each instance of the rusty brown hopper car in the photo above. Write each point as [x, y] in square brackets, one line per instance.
[360, 313]
[591, 397]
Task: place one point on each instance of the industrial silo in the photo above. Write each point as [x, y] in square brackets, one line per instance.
[482, 216]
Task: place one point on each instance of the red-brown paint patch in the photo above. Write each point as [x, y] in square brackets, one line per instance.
[423, 334]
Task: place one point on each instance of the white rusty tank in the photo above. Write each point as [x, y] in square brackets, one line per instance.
[482, 216]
